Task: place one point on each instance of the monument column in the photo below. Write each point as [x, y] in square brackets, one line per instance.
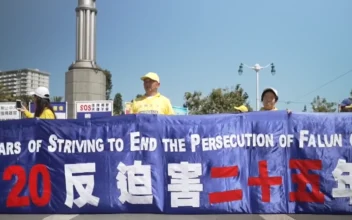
[85, 80]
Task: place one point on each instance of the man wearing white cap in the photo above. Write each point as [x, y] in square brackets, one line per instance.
[43, 109]
[152, 102]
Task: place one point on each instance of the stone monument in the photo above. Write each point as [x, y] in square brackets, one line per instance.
[85, 80]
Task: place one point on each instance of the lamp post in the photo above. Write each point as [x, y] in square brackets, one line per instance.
[257, 68]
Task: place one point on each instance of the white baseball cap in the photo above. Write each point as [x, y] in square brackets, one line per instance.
[41, 92]
[271, 89]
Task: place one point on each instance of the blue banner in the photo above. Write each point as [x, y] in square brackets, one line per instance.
[259, 162]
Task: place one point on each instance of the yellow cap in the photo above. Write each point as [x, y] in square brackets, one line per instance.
[242, 108]
[152, 76]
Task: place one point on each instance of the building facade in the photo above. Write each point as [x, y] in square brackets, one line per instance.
[23, 81]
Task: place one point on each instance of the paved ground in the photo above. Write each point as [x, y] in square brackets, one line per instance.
[175, 217]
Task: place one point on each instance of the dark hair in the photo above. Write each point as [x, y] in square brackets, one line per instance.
[272, 91]
[41, 104]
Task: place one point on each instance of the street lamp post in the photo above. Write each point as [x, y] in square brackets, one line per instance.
[257, 69]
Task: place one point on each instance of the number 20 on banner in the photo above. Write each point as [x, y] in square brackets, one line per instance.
[14, 199]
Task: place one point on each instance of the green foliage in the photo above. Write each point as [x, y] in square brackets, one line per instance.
[137, 96]
[118, 105]
[56, 99]
[322, 105]
[5, 95]
[108, 78]
[218, 101]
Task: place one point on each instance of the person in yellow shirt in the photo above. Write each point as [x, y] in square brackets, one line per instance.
[269, 99]
[43, 109]
[241, 109]
[152, 102]
[346, 105]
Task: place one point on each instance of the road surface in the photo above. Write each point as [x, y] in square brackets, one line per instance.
[175, 217]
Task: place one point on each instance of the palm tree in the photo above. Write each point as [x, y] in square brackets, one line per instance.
[57, 99]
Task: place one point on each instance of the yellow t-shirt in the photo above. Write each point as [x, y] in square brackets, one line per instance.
[263, 109]
[46, 114]
[157, 104]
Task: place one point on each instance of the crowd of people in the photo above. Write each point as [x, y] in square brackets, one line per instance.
[152, 102]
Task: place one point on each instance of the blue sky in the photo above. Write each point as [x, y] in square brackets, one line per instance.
[191, 44]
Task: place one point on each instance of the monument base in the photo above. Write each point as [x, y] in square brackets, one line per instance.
[83, 83]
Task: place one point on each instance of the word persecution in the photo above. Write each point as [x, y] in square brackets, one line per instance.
[138, 143]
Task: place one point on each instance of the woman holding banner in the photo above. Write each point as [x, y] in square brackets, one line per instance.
[269, 98]
[43, 109]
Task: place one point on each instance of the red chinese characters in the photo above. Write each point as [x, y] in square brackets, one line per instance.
[225, 196]
[14, 199]
[305, 178]
[264, 181]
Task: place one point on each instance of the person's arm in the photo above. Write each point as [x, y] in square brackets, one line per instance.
[25, 112]
[28, 114]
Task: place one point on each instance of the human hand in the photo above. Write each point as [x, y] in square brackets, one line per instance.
[22, 109]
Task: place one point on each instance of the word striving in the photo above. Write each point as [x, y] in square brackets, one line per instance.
[184, 177]
[139, 143]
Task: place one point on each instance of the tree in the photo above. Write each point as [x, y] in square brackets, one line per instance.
[218, 101]
[118, 105]
[108, 83]
[137, 96]
[305, 108]
[57, 99]
[5, 95]
[194, 102]
[322, 105]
